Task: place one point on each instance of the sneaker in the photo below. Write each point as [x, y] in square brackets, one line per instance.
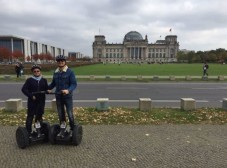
[61, 133]
[30, 135]
[38, 132]
[37, 125]
[63, 125]
[71, 133]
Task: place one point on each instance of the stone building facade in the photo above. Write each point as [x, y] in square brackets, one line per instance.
[135, 49]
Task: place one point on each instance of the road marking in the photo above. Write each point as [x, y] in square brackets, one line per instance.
[219, 88]
[126, 88]
[129, 101]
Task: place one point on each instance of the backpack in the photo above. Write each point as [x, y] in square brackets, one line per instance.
[207, 66]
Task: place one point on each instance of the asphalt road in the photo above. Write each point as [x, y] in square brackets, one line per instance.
[127, 94]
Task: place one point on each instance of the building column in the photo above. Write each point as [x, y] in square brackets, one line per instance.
[11, 49]
[134, 52]
[138, 53]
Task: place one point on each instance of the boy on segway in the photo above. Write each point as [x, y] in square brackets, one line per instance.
[64, 81]
[36, 102]
[35, 108]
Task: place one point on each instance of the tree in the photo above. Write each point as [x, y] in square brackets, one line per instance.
[35, 57]
[5, 54]
[28, 58]
[191, 56]
[18, 55]
[182, 56]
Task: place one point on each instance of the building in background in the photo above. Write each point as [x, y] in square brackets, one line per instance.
[29, 47]
[135, 49]
[75, 55]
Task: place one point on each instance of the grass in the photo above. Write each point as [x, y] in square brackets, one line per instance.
[150, 69]
[131, 116]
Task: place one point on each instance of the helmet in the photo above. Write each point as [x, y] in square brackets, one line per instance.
[35, 66]
[60, 57]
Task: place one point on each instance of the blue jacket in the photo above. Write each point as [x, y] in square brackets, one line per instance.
[63, 80]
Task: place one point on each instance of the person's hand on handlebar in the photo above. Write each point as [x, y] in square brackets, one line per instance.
[65, 91]
[49, 91]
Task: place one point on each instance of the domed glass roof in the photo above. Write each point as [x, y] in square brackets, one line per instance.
[133, 35]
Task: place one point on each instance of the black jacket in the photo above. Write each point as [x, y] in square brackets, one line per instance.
[32, 85]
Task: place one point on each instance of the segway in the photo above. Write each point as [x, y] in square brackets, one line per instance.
[61, 135]
[39, 134]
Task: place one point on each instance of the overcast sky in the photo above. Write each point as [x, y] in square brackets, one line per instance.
[72, 24]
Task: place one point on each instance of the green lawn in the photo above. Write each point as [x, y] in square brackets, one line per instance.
[150, 69]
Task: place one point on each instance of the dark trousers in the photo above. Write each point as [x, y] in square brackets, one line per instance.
[205, 73]
[62, 103]
[35, 109]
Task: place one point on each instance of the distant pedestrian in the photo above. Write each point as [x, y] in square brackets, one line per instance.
[205, 69]
[18, 70]
[21, 69]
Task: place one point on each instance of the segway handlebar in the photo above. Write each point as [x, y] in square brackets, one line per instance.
[46, 92]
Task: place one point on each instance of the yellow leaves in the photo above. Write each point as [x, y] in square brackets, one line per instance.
[116, 115]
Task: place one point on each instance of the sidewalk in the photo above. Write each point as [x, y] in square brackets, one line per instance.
[132, 146]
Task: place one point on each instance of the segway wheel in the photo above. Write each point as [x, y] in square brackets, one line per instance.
[77, 135]
[22, 137]
[54, 130]
[45, 128]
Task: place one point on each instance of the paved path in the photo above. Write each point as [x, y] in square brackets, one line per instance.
[114, 146]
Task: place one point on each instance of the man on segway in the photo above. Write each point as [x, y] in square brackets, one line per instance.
[64, 81]
[36, 103]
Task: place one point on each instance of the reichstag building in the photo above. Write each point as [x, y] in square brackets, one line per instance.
[135, 49]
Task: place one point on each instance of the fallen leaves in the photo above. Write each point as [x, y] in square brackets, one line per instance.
[126, 116]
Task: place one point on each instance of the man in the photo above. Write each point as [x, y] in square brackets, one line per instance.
[65, 82]
[18, 70]
[205, 68]
[36, 102]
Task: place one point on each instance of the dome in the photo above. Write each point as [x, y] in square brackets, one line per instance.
[133, 35]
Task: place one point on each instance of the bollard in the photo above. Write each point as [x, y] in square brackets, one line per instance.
[13, 105]
[53, 105]
[224, 103]
[155, 78]
[221, 78]
[92, 77]
[102, 104]
[172, 78]
[144, 104]
[123, 78]
[188, 104]
[139, 77]
[188, 78]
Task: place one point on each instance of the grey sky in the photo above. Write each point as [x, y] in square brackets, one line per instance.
[72, 24]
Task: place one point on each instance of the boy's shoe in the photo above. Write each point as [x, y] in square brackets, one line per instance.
[71, 133]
